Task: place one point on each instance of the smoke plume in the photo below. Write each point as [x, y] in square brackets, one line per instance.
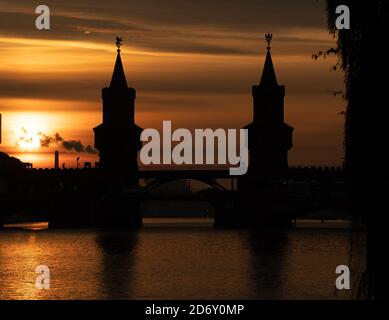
[57, 139]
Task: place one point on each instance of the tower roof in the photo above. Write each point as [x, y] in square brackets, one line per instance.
[118, 80]
[268, 74]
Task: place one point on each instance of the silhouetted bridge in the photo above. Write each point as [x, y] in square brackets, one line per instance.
[91, 197]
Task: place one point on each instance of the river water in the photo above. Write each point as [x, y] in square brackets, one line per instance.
[171, 259]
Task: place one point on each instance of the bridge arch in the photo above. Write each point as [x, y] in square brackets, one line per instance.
[160, 182]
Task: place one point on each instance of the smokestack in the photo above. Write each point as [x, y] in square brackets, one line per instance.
[56, 160]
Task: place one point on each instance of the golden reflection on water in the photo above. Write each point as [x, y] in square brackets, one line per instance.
[18, 275]
[74, 265]
[177, 263]
[33, 226]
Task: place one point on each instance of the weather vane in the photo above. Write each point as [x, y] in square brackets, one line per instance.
[119, 43]
[268, 38]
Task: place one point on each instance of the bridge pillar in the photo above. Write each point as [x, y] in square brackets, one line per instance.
[71, 210]
[263, 206]
[120, 211]
[228, 211]
[118, 204]
[106, 201]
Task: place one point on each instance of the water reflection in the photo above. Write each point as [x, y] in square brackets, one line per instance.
[268, 249]
[16, 278]
[178, 263]
[117, 263]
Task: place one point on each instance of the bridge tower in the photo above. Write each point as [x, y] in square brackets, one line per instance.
[262, 192]
[270, 138]
[118, 137]
[118, 141]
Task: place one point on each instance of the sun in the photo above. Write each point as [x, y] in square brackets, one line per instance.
[25, 130]
[28, 139]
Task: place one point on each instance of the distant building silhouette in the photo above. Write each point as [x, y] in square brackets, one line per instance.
[118, 137]
[10, 164]
[56, 159]
[270, 137]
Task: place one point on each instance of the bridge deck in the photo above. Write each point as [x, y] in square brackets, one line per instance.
[294, 173]
[185, 174]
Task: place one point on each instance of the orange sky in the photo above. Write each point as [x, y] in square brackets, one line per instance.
[193, 64]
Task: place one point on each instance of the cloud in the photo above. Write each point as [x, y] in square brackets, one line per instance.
[47, 140]
[77, 146]
[51, 87]
[182, 57]
[165, 25]
[216, 29]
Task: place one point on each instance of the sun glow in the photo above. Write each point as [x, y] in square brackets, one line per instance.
[25, 129]
[28, 139]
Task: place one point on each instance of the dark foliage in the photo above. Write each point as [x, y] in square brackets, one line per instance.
[362, 52]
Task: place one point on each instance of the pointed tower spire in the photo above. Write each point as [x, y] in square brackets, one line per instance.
[118, 80]
[268, 74]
